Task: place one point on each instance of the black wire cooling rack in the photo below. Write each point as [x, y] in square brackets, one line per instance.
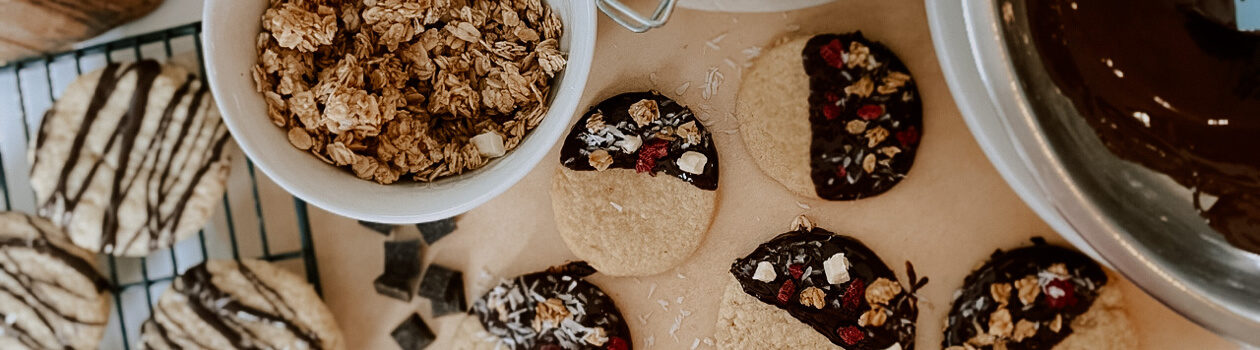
[29, 86]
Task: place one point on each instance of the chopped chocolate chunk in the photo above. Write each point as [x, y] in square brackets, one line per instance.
[646, 132]
[553, 309]
[452, 299]
[1026, 298]
[402, 270]
[853, 123]
[835, 307]
[433, 231]
[413, 334]
[384, 229]
[437, 279]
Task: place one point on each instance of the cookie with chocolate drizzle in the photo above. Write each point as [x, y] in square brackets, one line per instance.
[832, 286]
[1038, 297]
[835, 116]
[251, 304]
[131, 158]
[636, 187]
[51, 295]
[553, 309]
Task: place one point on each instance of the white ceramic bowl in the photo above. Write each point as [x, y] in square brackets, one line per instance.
[230, 28]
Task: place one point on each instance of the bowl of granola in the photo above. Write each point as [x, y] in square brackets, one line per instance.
[398, 111]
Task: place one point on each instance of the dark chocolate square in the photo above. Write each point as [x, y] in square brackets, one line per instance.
[402, 270]
[413, 334]
[452, 300]
[433, 231]
[380, 228]
[437, 279]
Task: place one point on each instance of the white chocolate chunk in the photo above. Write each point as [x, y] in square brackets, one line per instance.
[765, 272]
[894, 346]
[489, 144]
[692, 162]
[837, 269]
[630, 144]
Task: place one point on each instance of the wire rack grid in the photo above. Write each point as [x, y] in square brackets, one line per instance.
[30, 86]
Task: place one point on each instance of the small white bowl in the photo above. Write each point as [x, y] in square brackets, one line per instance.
[230, 29]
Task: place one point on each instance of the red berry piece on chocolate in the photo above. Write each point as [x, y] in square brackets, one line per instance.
[649, 154]
[1060, 293]
[870, 112]
[841, 172]
[616, 343]
[854, 293]
[796, 270]
[787, 291]
[831, 111]
[851, 335]
[833, 53]
[908, 137]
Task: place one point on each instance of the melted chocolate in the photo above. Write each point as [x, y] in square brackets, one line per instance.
[889, 121]
[508, 311]
[974, 303]
[160, 183]
[1169, 84]
[45, 310]
[227, 315]
[805, 251]
[619, 125]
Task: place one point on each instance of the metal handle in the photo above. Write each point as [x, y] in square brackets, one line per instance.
[627, 17]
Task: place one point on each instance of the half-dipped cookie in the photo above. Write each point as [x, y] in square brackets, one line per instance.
[251, 304]
[553, 309]
[636, 187]
[834, 116]
[1038, 297]
[51, 296]
[813, 289]
[131, 158]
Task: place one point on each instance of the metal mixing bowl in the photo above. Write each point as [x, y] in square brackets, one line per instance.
[1138, 221]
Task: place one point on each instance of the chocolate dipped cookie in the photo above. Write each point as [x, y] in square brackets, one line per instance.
[552, 309]
[637, 185]
[833, 116]
[811, 288]
[1038, 297]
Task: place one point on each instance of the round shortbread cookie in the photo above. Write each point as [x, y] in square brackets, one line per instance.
[1038, 297]
[552, 309]
[831, 116]
[810, 288]
[636, 189]
[223, 304]
[131, 158]
[51, 295]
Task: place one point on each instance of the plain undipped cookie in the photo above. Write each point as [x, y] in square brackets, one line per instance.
[833, 116]
[51, 296]
[131, 158]
[223, 304]
[1038, 297]
[636, 189]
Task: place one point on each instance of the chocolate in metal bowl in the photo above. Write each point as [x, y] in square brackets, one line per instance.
[1146, 224]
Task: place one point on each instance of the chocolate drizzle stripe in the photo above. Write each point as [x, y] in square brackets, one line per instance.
[161, 183]
[42, 308]
[221, 311]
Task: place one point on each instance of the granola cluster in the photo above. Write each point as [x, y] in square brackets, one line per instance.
[419, 88]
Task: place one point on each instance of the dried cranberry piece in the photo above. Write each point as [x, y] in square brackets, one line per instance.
[833, 53]
[851, 335]
[616, 343]
[853, 294]
[649, 154]
[869, 112]
[1068, 297]
[796, 270]
[787, 291]
[831, 111]
[841, 172]
[908, 137]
